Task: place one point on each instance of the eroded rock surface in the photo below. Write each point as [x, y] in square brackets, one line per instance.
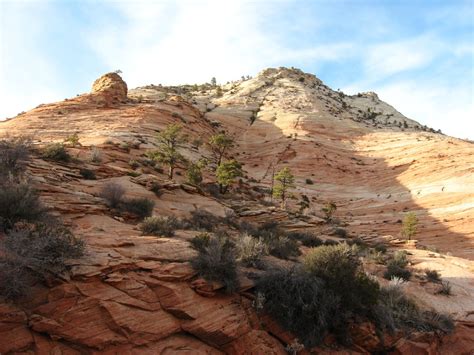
[133, 293]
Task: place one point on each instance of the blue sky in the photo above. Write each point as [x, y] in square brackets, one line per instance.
[417, 55]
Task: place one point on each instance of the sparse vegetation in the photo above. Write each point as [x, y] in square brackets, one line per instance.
[397, 311]
[56, 152]
[284, 181]
[309, 181]
[194, 172]
[329, 210]
[340, 268]
[169, 141]
[141, 207]
[340, 232]
[226, 174]
[133, 164]
[307, 239]
[156, 189]
[87, 174]
[19, 202]
[433, 276]
[396, 267]
[282, 247]
[72, 140]
[251, 250]
[31, 251]
[113, 194]
[445, 288]
[380, 247]
[14, 154]
[159, 226]
[202, 219]
[409, 225]
[219, 144]
[201, 241]
[280, 244]
[300, 302]
[216, 262]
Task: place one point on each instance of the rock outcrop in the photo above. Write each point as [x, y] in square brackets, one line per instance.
[110, 88]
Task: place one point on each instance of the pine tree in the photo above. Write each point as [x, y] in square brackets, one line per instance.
[167, 153]
[284, 181]
[219, 144]
[409, 225]
[194, 173]
[226, 174]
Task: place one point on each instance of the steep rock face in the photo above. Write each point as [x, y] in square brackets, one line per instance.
[138, 294]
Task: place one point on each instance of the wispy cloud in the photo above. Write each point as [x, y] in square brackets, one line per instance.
[204, 39]
[389, 58]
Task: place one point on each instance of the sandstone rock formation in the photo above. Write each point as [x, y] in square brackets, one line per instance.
[138, 294]
[111, 88]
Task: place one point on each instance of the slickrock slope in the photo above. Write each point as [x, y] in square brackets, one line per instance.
[373, 169]
[138, 294]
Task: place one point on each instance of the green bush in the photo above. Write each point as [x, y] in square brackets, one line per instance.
[396, 267]
[19, 202]
[307, 239]
[217, 262]
[204, 220]
[133, 164]
[201, 241]
[395, 271]
[250, 251]
[376, 256]
[141, 207]
[381, 248]
[56, 152]
[340, 268]
[433, 276]
[159, 226]
[309, 181]
[87, 174]
[282, 247]
[400, 258]
[300, 302]
[156, 188]
[340, 232]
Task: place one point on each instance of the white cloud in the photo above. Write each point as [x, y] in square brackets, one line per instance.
[385, 59]
[450, 109]
[440, 97]
[204, 39]
[173, 42]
